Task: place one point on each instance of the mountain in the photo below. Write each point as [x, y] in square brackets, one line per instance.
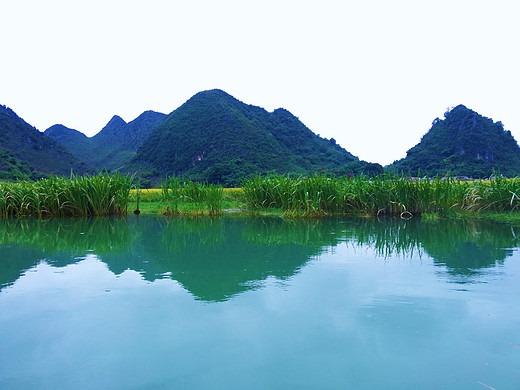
[464, 143]
[35, 155]
[215, 137]
[74, 141]
[113, 146]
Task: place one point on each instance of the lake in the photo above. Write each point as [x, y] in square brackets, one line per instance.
[258, 303]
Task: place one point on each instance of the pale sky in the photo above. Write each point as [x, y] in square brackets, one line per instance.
[371, 74]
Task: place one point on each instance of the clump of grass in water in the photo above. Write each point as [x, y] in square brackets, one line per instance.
[214, 199]
[195, 197]
[171, 193]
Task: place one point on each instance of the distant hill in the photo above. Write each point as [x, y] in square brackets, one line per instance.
[74, 141]
[216, 138]
[26, 151]
[113, 146]
[464, 143]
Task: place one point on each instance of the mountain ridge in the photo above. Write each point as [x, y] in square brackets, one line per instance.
[35, 151]
[215, 137]
[464, 143]
[114, 145]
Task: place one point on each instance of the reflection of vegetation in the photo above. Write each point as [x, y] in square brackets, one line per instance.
[180, 233]
[74, 236]
[309, 232]
[216, 259]
[60, 241]
[463, 247]
[211, 259]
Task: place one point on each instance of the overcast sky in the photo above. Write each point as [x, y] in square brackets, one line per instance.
[371, 74]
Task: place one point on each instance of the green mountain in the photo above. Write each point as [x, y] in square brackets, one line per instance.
[113, 146]
[74, 141]
[216, 138]
[464, 143]
[24, 151]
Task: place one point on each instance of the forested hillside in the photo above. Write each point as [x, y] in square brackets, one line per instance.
[216, 138]
[113, 146]
[26, 151]
[463, 143]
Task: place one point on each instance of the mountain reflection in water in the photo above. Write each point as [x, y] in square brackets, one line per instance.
[216, 259]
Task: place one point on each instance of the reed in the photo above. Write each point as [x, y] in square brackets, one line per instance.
[385, 194]
[195, 198]
[99, 195]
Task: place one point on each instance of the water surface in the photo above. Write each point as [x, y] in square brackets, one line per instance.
[258, 303]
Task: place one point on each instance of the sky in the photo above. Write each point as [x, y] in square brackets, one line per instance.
[371, 74]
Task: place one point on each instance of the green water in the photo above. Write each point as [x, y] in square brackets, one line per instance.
[258, 303]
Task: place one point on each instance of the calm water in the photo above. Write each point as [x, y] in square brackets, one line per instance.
[258, 303]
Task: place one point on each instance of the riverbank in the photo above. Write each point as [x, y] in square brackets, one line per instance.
[304, 197]
[319, 196]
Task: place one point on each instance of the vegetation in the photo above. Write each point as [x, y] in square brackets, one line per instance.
[463, 144]
[385, 194]
[12, 168]
[99, 195]
[113, 146]
[215, 138]
[201, 197]
[41, 155]
[245, 251]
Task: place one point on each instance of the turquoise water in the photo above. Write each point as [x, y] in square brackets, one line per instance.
[258, 303]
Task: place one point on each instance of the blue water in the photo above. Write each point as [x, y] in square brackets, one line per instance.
[258, 303]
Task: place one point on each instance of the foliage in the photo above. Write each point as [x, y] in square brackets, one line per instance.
[42, 154]
[215, 138]
[12, 168]
[78, 196]
[113, 146]
[463, 144]
[201, 196]
[380, 195]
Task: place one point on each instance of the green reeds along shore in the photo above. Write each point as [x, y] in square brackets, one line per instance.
[382, 195]
[306, 197]
[196, 198]
[99, 195]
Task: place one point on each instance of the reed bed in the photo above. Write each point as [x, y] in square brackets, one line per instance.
[386, 194]
[199, 197]
[99, 195]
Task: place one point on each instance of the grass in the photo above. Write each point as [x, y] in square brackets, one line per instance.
[99, 195]
[176, 197]
[313, 196]
[382, 195]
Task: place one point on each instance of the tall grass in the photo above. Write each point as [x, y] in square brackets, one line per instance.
[199, 197]
[99, 195]
[385, 194]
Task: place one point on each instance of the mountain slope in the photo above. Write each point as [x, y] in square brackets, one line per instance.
[41, 153]
[113, 146]
[217, 138]
[74, 141]
[464, 143]
[12, 168]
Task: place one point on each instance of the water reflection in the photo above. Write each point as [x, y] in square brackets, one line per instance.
[216, 259]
